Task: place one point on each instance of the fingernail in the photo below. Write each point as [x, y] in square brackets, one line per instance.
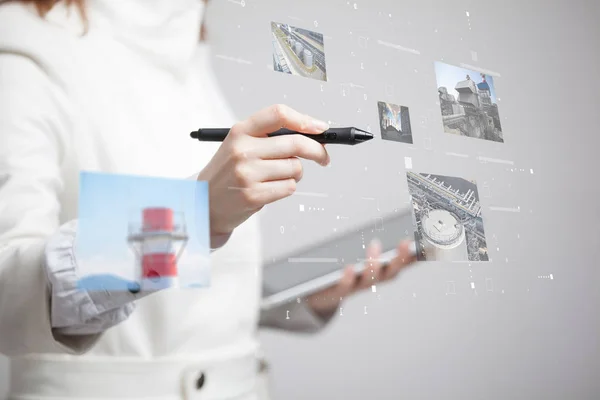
[320, 126]
[376, 242]
[412, 248]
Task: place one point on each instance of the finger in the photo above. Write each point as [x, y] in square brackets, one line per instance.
[268, 192]
[286, 146]
[346, 284]
[406, 256]
[275, 170]
[278, 116]
[372, 272]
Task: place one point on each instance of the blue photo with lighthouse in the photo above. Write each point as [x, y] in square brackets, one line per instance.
[140, 233]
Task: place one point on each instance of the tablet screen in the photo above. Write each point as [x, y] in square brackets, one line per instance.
[334, 254]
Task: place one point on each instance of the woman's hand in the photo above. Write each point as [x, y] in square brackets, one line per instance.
[325, 303]
[251, 169]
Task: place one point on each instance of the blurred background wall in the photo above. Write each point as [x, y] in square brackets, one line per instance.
[518, 334]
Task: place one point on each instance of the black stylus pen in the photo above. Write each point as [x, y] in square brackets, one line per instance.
[350, 136]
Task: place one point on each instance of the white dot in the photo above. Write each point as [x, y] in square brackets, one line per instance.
[390, 15]
[355, 6]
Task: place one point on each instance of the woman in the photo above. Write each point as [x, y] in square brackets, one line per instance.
[117, 100]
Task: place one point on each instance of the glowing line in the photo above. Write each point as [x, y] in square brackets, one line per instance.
[398, 47]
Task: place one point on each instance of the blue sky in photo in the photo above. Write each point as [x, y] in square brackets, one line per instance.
[108, 203]
[449, 75]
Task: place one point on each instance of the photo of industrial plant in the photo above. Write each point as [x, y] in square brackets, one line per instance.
[394, 122]
[298, 51]
[468, 103]
[137, 233]
[449, 226]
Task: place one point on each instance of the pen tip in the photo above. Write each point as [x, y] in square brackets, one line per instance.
[194, 135]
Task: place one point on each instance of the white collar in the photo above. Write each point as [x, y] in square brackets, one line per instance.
[165, 32]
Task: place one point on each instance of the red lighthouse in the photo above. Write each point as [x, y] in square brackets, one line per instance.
[158, 245]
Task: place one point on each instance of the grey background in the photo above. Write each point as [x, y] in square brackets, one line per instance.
[529, 337]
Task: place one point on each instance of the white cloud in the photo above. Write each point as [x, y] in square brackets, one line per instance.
[124, 267]
[193, 268]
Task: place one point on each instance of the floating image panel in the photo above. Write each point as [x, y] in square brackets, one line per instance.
[449, 226]
[138, 233]
[468, 103]
[394, 122]
[298, 51]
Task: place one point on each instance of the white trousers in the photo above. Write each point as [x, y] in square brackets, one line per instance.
[50, 378]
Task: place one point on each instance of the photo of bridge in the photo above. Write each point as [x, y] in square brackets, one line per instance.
[449, 226]
[298, 51]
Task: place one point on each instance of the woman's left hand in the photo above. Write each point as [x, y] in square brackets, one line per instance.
[325, 302]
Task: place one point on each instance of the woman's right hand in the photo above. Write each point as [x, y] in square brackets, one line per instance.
[251, 169]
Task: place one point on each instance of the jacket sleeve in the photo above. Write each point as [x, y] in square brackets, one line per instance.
[75, 311]
[294, 317]
[34, 132]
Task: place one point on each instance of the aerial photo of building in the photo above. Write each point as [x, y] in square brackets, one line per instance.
[298, 51]
[449, 226]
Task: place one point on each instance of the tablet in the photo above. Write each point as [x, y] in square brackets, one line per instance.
[311, 269]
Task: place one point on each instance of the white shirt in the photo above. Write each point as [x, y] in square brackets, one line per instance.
[120, 99]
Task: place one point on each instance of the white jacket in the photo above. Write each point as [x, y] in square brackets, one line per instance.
[120, 99]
